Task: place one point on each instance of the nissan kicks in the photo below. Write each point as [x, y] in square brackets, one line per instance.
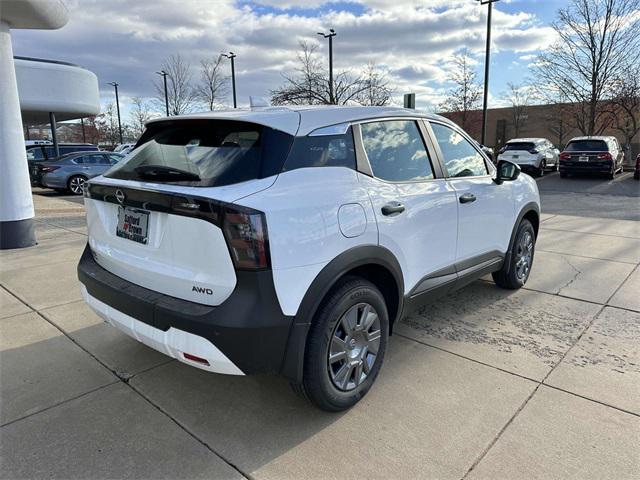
[292, 240]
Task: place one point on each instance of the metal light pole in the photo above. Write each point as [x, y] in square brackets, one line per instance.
[115, 85]
[487, 61]
[164, 74]
[332, 33]
[231, 56]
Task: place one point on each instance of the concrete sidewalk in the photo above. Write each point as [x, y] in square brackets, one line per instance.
[543, 382]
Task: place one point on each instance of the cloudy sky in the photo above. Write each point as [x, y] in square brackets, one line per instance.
[126, 41]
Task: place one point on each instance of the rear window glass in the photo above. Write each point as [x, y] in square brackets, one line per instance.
[205, 153]
[526, 146]
[322, 151]
[587, 146]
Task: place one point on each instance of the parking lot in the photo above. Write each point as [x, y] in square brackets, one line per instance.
[543, 382]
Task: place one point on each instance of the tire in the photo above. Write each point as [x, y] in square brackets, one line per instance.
[514, 275]
[541, 168]
[75, 184]
[339, 364]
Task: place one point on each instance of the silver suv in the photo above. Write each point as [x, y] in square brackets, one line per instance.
[533, 155]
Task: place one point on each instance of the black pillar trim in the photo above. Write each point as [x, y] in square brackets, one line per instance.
[17, 234]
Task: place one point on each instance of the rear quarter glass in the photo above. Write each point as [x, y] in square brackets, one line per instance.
[322, 151]
[211, 152]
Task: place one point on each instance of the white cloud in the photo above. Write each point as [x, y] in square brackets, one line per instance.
[127, 41]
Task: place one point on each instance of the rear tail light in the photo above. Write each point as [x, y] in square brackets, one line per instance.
[605, 156]
[638, 161]
[48, 169]
[246, 234]
[565, 156]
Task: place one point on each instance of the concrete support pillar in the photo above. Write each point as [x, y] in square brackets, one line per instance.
[16, 204]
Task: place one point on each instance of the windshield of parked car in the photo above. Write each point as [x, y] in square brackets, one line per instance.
[587, 146]
[526, 146]
[205, 153]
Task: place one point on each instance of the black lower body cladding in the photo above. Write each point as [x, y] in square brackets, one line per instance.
[249, 327]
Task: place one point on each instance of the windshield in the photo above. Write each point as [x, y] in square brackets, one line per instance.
[587, 146]
[526, 146]
[205, 153]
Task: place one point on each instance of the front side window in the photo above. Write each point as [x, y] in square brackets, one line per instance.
[322, 151]
[205, 153]
[460, 157]
[396, 151]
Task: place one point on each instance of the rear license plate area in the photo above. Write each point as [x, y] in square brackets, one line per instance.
[583, 159]
[133, 224]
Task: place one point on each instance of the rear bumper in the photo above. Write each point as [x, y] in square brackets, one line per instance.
[586, 167]
[247, 334]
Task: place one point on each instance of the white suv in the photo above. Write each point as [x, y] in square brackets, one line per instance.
[291, 240]
[533, 155]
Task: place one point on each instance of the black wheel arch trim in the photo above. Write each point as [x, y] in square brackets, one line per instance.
[347, 261]
[529, 207]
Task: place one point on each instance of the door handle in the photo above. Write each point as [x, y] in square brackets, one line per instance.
[392, 208]
[467, 198]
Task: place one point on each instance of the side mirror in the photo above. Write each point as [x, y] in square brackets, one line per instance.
[507, 172]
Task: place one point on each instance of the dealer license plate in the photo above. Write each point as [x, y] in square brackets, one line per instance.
[133, 224]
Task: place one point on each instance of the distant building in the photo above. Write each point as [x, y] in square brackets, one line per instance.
[545, 121]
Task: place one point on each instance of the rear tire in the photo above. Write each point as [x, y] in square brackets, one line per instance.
[75, 184]
[514, 274]
[541, 168]
[345, 346]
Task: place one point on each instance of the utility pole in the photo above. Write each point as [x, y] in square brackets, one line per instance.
[164, 74]
[115, 85]
[487, 62]
[231, 56]
[332, 33]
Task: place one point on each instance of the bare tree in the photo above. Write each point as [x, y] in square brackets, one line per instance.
[140, 115]
[214, 85]
[182, 96]
[464, 97]
[309, 84]
[624, 107]
[519, 98]
[597, 42]
[376, 91]
[107, 125]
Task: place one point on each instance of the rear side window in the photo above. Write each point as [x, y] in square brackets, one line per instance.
[526, 146]
[396, 151]
[587, 146]
[205, 153]
[322, 151]
[35, 153]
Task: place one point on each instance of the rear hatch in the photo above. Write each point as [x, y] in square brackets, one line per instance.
[586, 153]
[519, 152]
[164, 217]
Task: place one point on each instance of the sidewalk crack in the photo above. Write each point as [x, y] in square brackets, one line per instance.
[575, 276]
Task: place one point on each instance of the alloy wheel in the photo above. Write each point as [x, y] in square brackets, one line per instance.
[76, 185]
[524, 256]
[354, 345]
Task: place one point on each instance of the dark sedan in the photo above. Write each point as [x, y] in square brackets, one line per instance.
[70, 172]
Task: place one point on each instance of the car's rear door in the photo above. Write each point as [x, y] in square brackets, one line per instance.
[415, 207]
[485, 209]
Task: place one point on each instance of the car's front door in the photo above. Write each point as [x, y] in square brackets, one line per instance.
[415, 207]
[485, 209]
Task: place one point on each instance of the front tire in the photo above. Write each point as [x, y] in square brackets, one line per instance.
[76, 184]
[346, 345]
[514, 274]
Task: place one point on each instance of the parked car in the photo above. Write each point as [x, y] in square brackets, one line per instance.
[71, 171]
[533, 155]
[592, 155]
[291, 240]
[124, 148]
[44, 152]
[636, 172]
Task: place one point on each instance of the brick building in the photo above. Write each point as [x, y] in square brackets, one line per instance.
[545, 121]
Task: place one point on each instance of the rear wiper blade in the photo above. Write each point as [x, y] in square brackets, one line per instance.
[160, 172]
